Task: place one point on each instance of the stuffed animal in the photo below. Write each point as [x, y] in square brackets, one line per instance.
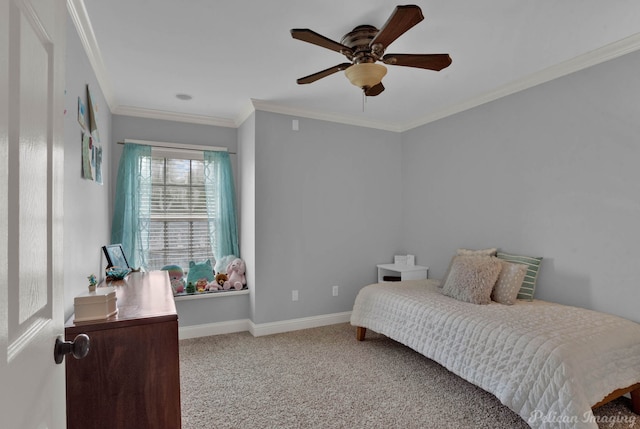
[176, 276]
[199, 271]
[201, 285]
[217, 283]
[222, 263]
[235, 272]
[220, 279]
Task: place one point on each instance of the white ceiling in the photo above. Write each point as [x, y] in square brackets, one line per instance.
[227, 53]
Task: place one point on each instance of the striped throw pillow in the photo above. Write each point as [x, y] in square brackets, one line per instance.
[533, 267]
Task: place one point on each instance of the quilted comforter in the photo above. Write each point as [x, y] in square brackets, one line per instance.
[547, 362]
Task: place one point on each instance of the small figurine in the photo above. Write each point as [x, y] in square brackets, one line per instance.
[191, 288]
[92, 283]
[201, 285]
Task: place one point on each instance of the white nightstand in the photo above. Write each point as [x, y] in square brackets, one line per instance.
[405, 272]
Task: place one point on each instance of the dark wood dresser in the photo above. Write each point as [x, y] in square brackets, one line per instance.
[131, 377]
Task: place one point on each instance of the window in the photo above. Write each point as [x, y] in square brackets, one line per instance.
[178, 222]
[173, 206]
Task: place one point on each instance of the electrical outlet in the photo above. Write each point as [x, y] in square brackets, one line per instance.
[294, 295]
[335, 290]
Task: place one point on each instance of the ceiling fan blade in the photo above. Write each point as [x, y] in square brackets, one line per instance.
[435, 62]
[401, 20]
[311, 36]
[323, 73]
[374, 90]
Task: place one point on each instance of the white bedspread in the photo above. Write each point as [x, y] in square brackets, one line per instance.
[547, 362]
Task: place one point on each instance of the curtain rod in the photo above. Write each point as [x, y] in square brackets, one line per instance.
[198, 147]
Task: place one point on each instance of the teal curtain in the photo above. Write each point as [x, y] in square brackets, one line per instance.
[221, 206]
[132, 208]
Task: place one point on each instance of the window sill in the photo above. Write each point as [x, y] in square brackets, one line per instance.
[211, 295]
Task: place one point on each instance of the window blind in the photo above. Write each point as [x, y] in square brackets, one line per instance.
[178, 228]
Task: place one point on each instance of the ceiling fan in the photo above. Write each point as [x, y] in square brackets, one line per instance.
[365, 45]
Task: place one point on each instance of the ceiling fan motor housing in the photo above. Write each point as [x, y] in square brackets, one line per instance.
[358, 40]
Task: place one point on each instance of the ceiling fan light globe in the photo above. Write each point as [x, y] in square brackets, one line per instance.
[365, 75]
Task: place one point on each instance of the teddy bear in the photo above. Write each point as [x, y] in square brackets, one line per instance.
[217, 283]
[235, 272]
[220, 279]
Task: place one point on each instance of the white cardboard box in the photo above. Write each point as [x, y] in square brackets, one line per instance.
[400, 259]
[97, 305]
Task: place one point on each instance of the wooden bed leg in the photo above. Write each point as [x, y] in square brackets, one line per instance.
[634, 390]
[361, 332]
[635, 400]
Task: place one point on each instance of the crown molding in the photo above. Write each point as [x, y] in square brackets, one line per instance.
[172, 116]
[324, 116]
[581, 62]
[81, 21]
[245, 113]
[80, 18]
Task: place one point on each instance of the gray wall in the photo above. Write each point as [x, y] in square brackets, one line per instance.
[328, 202]
[86, 203]
[551, 171]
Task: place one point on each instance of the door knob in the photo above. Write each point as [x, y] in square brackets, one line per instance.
[79, 348]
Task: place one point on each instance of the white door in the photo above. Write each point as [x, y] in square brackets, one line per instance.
[32, 36]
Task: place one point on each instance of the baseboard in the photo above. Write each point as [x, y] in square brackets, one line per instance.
[208, 329]
[258, 330]
[261, 329]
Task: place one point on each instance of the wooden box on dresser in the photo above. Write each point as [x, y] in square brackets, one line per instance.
[131, 377]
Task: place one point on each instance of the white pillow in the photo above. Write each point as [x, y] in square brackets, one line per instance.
[509, 281]
[472, 278]
[482, 252]
[468, 252]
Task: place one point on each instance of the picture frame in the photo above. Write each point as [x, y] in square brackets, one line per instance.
[115, 256]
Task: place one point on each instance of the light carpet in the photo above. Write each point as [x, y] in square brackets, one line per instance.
[324, 378]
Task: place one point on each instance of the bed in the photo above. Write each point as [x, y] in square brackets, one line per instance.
[549, 363]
